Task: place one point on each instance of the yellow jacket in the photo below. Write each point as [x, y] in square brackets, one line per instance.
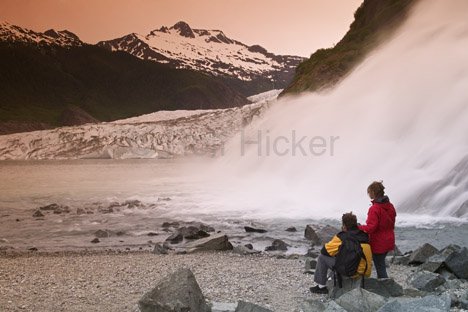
[331, 249]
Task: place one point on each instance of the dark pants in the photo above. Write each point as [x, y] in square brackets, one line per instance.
[324, 264]
[379, 263]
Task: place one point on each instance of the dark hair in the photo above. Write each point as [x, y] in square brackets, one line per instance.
[349, 220]
[376, 189]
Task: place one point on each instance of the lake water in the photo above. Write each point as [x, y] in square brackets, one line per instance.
[175, 189]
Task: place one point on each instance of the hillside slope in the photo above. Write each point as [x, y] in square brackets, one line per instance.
[45, 83]
[326, 67]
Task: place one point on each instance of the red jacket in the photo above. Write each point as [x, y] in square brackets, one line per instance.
[380, 225]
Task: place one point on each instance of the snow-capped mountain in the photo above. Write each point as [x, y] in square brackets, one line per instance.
[210, 51]
[16, 34]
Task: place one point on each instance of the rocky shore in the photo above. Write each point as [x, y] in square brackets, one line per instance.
[222, 274]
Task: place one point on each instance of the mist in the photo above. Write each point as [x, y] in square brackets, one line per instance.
[401, 117]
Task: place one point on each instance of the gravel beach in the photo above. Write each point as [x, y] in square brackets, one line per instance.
[115, 282]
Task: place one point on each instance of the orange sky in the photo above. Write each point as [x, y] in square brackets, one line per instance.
[282, 26]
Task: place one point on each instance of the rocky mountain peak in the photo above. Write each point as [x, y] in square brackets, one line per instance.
[12, 33]
[184, 29]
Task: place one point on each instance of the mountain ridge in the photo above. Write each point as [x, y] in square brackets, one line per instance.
[211, 52]
[53, 79]
[325, 68]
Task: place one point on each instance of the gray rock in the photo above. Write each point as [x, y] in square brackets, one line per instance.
[175, 238]
[463, 304]
[314, 305]
[249, 229]
[243, 306]
[450, 248]
[421, 254]
[192, 232]
[310, 234]
[133, 203]
[95, 240]
[401, 260]
[445, 273]
[386, 287]
[348, 284]
[102, 234]
[326, 233]
[277, 244]
[55, 208]
[310, 264]
[223, 307]
[201, 226]
[430, 303]
[291, 229]
[50, 207]
[358, 300]
[38, 214]
[457, 262]
[160, 249]
[413, 292]
[318, 234]
[188, 232]
[175, 293]
[242, 250]
[170, 224]
[249, 246]
[433, 263]
[216, 242]
[425, 281]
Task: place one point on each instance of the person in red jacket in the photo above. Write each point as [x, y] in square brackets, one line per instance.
[380, 226]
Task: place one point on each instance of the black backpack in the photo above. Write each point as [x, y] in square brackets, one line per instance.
[348, 257]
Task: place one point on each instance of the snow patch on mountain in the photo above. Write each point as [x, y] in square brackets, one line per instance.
[210, 51]
[12, 33]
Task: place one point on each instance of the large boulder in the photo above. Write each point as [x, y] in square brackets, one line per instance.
[243, 306]
[457, 262]
[359, 300]
[421, 254]
[311, 234]
[385, 287]
[426, 281]
[326, 233]
[437, 262]
[217, 242]
[430, 303]
[175, 293]
[319, 234]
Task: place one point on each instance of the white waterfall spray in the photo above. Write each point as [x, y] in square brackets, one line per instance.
[401, 116]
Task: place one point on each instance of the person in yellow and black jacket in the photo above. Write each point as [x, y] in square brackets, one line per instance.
[327, 259]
